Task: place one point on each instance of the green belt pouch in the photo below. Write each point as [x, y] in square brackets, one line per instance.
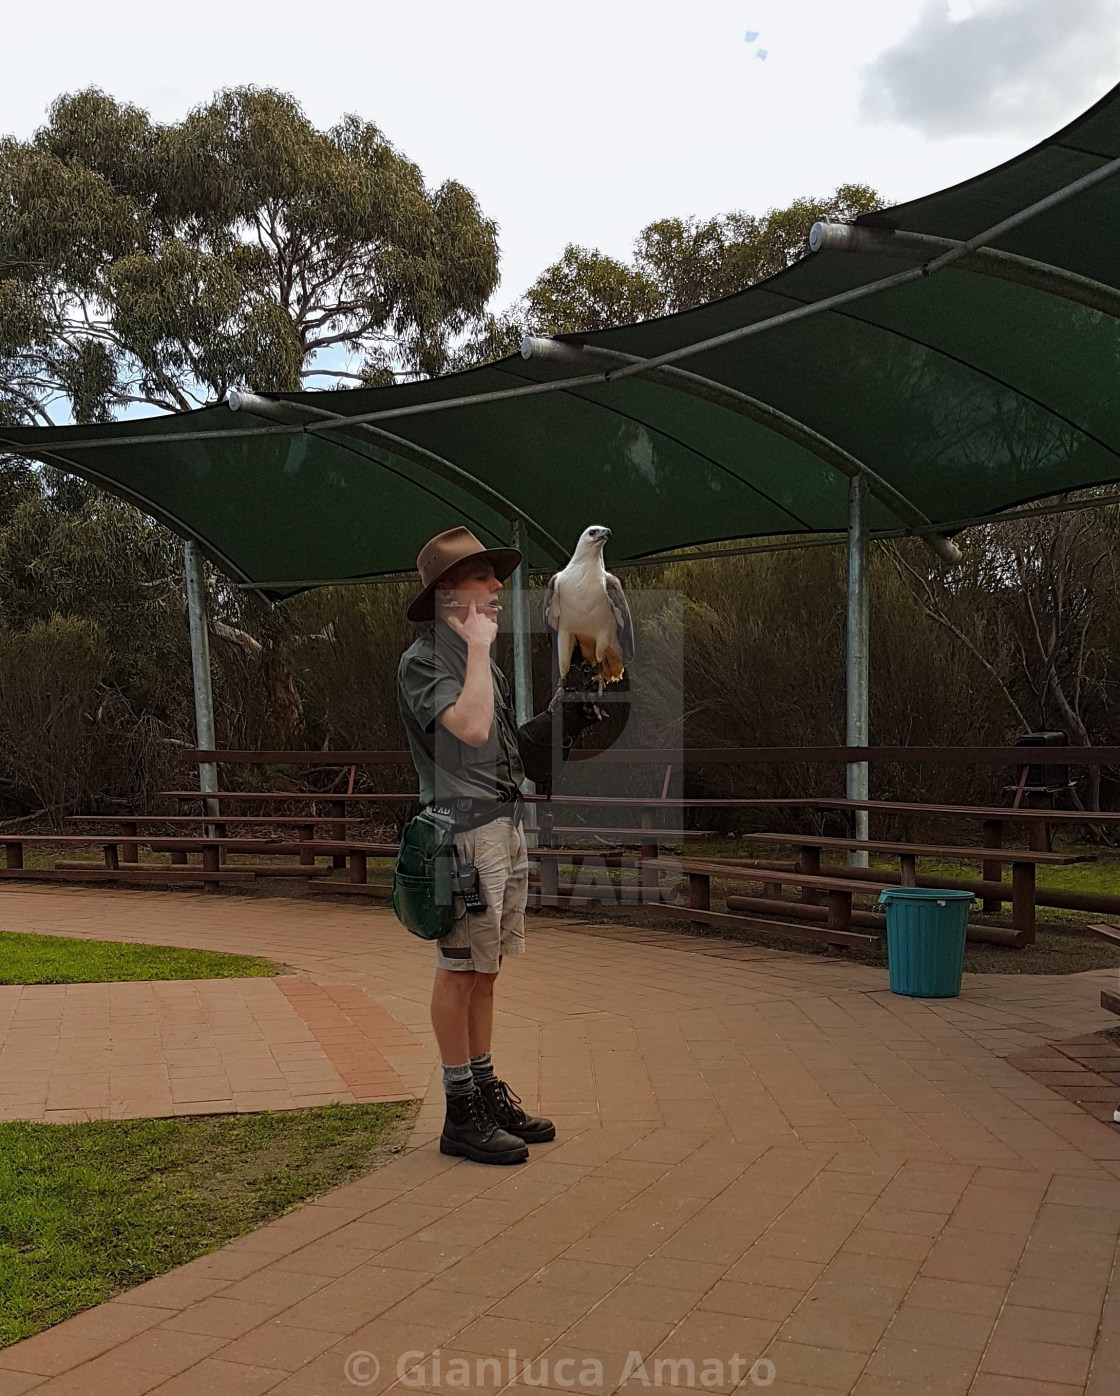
[422, 886]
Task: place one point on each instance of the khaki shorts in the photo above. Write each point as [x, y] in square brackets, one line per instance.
[477, 941]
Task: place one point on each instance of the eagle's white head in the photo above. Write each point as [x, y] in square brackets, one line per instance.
[592, 541]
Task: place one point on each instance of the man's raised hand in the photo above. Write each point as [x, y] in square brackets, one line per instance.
[479, 627]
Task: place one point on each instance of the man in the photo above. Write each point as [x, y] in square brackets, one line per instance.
[471, 758]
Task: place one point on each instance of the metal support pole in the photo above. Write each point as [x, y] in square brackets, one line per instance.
[522, 660]
[856, 655]
[194, 567]
[522, 655]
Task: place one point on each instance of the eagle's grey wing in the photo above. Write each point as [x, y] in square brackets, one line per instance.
[620, 609]
[550, 608]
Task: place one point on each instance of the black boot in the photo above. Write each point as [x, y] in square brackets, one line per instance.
[505, 1107]
[470, 1131]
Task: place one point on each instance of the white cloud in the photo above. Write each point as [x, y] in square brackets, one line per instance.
[1002, 67]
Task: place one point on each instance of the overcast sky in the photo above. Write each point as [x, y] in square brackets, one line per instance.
[583, 121]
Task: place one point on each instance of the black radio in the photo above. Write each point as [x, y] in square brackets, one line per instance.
[466, 882]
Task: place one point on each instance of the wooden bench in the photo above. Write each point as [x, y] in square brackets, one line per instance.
[116, 867]
[1022, 893]
[335, 801]
[319, 797]
[838, 892]
[306, 824]
[997, 815]
[699, 872]
[1110, 999]
[649, 839]
[355, 854]
[993, 819]
[547, 893]
[838, 916]
[210, 879]
[549, 858]
[342, 805]
[211, 875]
[311, 820]
[631, 835]
[352, 852]
[1038, 823]
[358, 853]
[179, 848]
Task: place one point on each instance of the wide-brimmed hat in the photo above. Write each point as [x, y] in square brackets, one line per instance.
[445, 551]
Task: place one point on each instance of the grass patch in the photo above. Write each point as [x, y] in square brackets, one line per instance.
[35, 959]
[87, 1210]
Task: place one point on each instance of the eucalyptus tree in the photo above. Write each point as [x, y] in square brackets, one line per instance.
[163, 263]
[160, 264]
[678, 263]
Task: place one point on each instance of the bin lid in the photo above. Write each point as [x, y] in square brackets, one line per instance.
[924, 894]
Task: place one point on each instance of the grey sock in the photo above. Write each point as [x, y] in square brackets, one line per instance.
[458, 1080]
[482, 1068]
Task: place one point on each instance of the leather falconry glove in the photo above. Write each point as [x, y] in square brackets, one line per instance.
[538, 738]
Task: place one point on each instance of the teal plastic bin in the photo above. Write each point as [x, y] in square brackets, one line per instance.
[926, 930]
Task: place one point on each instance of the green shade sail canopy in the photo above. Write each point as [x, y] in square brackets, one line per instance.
[992, 382]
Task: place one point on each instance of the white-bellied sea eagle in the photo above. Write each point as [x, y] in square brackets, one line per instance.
[585, 605]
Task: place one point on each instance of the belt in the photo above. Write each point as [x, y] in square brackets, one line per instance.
[467, 813]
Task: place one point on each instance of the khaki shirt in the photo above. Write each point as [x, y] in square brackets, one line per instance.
[429, 680]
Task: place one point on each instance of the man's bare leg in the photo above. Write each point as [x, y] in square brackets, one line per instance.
[463, 1013]
[480, 1019]
[451, 998]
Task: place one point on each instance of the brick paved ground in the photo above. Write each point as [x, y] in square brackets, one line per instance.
[759, 1153]
[1085, 1069]
[119, 1051]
